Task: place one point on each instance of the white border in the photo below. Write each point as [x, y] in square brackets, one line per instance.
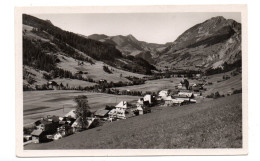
[126, 9]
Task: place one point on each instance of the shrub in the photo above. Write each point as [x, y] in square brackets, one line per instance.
[237, 91]
[215, 95]
[106, 69]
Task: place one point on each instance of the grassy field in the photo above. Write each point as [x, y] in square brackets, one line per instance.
[211, 124]
[42, 103]
[235, 82]
[156, 85]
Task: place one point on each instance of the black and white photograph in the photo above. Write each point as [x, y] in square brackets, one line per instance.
[166, 80]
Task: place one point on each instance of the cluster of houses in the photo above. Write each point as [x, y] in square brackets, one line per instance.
[54, 127]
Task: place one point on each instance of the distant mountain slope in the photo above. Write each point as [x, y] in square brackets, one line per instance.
[50, 53]
[208, 45]
[129, 45]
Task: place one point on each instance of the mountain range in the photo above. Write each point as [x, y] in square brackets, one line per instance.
[214, 44]
[206, 45]
[129, 45]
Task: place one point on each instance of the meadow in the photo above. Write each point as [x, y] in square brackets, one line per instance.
[39, 104]
[212, 124]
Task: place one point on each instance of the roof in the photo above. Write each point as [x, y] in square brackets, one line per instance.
[53, 118]
[122, 104]
[139, 108]
[72, 114]
[185, 94]
[36, 132]
[101, 112]
[112, 111]
[169, 98]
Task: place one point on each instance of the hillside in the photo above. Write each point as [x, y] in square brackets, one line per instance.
[50, 53]
[213, 44]
[211, 124]
[129, 45]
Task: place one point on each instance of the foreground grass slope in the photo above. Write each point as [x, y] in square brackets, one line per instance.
[212, 124]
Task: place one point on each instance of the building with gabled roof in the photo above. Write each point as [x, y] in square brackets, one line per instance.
[71, 114]
[101, 113]
[122, 105]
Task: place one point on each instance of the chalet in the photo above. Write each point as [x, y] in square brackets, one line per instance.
[180, 86]
[163, 94]
[27, 137]
[169, 101]
[49, 126]
[140, 101]
[119, 111]
[198, 66]
[38, 136]
[77, 124]
[185, 95]
[196, 94]
[67, 120]
[122, 105]
[198, 75]
[101, 113]
[195, 88]
[64, 130]
[149, 98]
[52, 85]
[140, 110]
[112, 114]
[193, 101]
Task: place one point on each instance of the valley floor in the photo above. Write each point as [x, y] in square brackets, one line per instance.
[210, 124]
[38, 104]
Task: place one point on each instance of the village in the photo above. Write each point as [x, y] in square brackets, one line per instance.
[53, 127]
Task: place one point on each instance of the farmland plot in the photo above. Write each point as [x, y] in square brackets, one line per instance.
[38, 104]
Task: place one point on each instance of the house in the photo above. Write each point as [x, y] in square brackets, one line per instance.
[196, 94]
[169, 101]
[195, 88]
[101, 113]
[119, 111]
[181, 85]
[148, 98]
[48, 126]
[163, 94]
[121, 105]
[64, 130]
[71, 114]
[77, 124]
[193, 101]
[67, 120]
[198, 75]
[140, 101]
[53, 85]
[112, 113]
[38, 136]
[185, 94]
[140, 110]
[143, 109]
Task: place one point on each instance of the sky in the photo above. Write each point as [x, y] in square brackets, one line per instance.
[150, 27]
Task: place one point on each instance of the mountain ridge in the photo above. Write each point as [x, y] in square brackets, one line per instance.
[209, 44]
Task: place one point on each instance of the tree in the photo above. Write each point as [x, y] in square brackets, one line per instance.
[186, 83]
[82, 110]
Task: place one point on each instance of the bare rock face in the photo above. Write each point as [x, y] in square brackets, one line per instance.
[206, 45]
